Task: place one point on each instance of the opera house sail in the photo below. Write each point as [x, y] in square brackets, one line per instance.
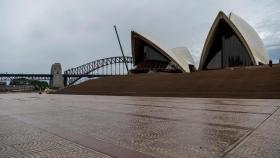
[150, 56]
[232, 42]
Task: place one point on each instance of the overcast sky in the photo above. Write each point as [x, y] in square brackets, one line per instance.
[36, 33]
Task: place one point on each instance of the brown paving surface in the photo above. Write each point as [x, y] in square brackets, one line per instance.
[254, 83]
[33, 125]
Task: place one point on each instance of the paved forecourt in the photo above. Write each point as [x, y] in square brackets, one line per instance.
[33, 125]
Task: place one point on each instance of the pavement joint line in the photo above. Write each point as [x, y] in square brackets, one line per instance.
[160, 101]
[240, 104]
[200, 109]
[183, 100]
[246, 137]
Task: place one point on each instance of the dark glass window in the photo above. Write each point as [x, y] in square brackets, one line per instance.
[144, 52]
[226, 49]
[152, 54]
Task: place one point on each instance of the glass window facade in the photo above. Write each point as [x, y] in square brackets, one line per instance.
[226, 49]
[144, 52]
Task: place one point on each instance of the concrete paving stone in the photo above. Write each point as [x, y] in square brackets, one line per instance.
[19, 139]
[33, 125]
[264, 141]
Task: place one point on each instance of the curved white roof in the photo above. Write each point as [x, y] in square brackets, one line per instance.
[181, 55]
[252, 38]
[247, 35]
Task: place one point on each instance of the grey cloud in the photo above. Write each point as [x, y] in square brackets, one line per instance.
[36, 33]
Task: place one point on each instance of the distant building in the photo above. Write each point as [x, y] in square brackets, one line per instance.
[232, 42]
[23, 87]
[20, 81]
[3, 86]
[20, 88]
[150, 56]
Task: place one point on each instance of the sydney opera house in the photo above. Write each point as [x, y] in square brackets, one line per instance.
[233, 55]
[231, 42]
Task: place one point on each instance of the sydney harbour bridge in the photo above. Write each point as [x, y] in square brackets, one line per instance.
[112, 66]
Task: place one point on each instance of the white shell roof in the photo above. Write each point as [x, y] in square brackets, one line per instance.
[180, 55]
[183, 54]
[252, 38]
[248, 36]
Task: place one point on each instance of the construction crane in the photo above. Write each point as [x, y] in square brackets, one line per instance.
[121, 48]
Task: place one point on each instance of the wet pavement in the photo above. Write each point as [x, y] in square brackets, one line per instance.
[33, 125]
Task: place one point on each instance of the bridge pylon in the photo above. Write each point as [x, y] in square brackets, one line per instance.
[57, 80]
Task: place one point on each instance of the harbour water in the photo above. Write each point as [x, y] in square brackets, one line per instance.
[33, 125]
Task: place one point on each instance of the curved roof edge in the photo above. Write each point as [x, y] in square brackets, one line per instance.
[171, 55]
[184, 54]
[240, 27]
[252, 38]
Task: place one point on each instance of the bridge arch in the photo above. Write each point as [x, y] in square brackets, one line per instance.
[116, 66]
